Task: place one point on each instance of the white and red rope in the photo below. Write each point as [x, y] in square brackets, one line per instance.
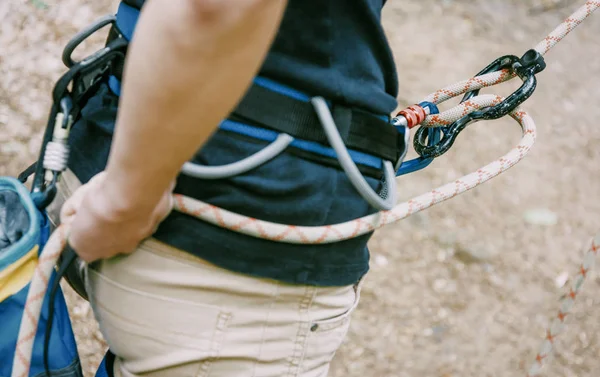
[565, 307]
[35, 299]
[357, 227]
[354, 228]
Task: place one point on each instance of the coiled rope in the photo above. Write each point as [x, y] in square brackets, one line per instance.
[354, 228]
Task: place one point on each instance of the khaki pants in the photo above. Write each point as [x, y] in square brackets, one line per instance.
[164, 312]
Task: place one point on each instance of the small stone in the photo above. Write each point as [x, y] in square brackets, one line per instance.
[381, 261]
[427, 332]
[441, 256]
[473, 253]
[561, 279]
[496, 280]
[357, 352]
[438, 330]
[541, 217]
[446, 239]
[98, 335]
[81, 310]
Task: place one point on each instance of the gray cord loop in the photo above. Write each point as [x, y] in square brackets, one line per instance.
[358, 181]
[383, 201]
[225, 171]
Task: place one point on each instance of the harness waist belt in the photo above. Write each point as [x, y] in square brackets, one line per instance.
[294, 114]
[359, 129]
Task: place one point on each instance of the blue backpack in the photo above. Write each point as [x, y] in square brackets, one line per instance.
[24, 230]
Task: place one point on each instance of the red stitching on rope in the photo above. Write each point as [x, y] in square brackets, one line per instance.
[572, 294]
[549, 337]
[539, 358]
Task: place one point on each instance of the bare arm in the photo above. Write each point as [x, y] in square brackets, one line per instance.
[189, 64]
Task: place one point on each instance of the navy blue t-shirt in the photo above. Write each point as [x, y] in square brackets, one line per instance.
[336, 49]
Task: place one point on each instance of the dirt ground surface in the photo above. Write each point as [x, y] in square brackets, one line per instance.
[466, 288]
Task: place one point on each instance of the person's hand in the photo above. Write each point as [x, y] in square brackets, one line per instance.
[99, 229]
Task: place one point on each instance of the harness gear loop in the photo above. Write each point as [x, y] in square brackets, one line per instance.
[83, 77]
[74, 42]
[225, 171]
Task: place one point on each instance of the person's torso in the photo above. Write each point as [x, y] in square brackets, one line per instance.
[336, 49]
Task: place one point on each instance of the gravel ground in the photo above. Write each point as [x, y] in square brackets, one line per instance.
[468, 287]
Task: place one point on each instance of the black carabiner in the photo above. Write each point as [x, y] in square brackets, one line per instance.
[526, 67]
[83, 35]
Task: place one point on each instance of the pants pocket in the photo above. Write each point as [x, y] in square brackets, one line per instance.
[324, 338]
[148, 332]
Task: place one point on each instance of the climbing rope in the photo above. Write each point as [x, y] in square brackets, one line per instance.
[337, 232]
[568, 300]
[354, 228]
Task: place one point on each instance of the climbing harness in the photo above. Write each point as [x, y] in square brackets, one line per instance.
[291, 120]
[436, 135]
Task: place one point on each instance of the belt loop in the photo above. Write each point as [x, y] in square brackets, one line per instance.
[342, 116]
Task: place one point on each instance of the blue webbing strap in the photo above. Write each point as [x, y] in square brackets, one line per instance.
[269, 135]
[127, 17]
